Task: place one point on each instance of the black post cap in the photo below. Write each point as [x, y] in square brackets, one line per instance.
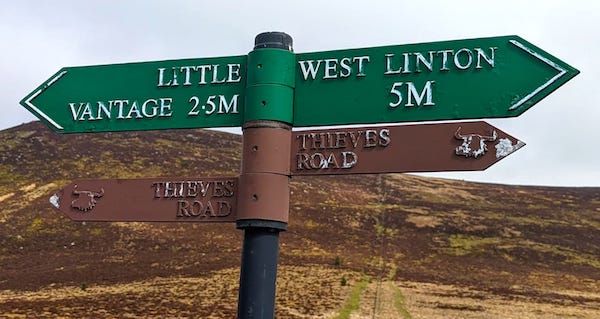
[277, 40]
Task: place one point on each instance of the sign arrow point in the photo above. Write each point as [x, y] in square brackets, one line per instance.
[55, 200]
[505, 147]
[29, 101]
[556, 66]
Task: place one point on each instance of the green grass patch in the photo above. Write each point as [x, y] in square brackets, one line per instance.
[95, 231]
[570, 256]
[310, 224]
[523, 220]
[399, 302]
[353, 300]
[384, 231]
[461, 245]
[35, 226]
[590, 223]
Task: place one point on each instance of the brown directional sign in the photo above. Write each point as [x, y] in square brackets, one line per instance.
[150, 199]
[458, 146]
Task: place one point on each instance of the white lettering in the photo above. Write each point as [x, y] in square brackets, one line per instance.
[187, 70]
[215, 75]
[421, 59]
[74, 112]
[309, 69]
[469, 56]
[202, 69]
[124, 109]
[413, 94]
[406, 63]
[165, 107]
[445, 59]
[120, 104]
[426, 93]
[346, 65]
[329, 150]
[330, 68]
[102, 108]
[161, 78]
[349, 159]
[87, 110]
[385, 140]
[134, 109]
[361, 60]
[333, 68]
[234, 73]
[370, 138]
[388, 65]
[230, 107]
[153, 108]
[488, 59]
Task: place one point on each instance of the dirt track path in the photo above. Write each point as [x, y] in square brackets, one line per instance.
[378, 302]
[412, 300]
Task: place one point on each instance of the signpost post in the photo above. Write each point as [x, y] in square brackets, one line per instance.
[271, 90]
[264, 180]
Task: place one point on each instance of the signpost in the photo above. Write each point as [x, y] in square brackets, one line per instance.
[150, 200]
[272, 89]
[449, 80]
[460, 146]
[189, 93]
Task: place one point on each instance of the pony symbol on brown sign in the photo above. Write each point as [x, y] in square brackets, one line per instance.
[473, 145]
[86, 200]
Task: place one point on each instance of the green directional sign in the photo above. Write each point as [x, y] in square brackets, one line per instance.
[463, 79]
[187, 93]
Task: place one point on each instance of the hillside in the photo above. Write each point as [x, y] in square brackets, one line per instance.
[420, 247]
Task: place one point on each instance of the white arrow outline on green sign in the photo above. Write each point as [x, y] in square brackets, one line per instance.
[34, 95]
[543, 86]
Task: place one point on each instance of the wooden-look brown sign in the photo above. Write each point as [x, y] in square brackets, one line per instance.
[150, 199]
[458, 146]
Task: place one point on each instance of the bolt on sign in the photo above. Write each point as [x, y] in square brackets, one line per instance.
[460, 146]
[150, 199]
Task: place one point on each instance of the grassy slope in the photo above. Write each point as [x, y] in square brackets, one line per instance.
[502, 239]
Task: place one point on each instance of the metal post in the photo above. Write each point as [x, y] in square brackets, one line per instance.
[264, 180]
[259, 273]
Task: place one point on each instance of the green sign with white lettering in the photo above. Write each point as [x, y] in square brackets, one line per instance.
[463, 79]
[187, 93]
[451, 80]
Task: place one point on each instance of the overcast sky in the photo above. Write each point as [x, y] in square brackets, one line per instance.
[562, 131]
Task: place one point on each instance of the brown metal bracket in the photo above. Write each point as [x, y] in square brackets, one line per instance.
[266, 149]
[264, 196]
[264, 192]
